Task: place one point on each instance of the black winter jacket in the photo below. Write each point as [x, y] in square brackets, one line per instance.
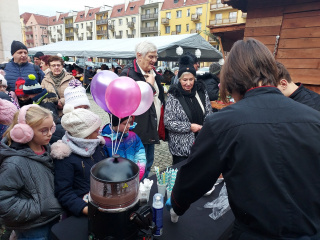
[146, 127]
[306, 96]
[212, 85]
[267, 148]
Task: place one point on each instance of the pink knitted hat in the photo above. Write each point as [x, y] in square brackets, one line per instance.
[7, 111]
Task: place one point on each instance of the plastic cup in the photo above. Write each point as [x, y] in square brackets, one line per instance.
[168, 193]
[162, 189]
[174, 216]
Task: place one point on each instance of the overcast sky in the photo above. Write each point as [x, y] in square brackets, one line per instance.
[49, 7]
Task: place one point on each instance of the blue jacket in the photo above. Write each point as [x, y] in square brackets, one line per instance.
[130, 147]
[14, 71]
[72, 179]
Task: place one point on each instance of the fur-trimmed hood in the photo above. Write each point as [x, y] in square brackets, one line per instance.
[175, 91]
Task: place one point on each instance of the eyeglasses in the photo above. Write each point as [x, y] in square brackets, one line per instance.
[56, 65]
[45, 131]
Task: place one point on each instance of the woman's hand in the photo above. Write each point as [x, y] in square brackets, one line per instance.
[195, 127]
[85, 210]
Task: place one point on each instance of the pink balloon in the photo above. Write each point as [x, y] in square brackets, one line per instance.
[123, 96]
[146, 98]
[99, 85]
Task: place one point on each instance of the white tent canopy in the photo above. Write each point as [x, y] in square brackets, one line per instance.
[125, 48]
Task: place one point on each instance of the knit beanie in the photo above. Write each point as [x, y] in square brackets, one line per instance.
[115, 120]
[16, 45]
[31, 86]
[186, 65]
[38, 55]
[80, 122]
[7, 110]
[75, 94]
[215, 68]
[19, 87]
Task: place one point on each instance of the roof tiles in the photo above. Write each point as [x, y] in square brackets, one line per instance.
[169, 4]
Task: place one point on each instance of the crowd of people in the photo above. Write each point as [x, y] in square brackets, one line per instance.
[265, 145]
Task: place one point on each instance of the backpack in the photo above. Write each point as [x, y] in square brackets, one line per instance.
[36, 68]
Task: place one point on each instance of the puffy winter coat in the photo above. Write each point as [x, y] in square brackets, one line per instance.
[212, 85]
[26, 187]
[14, 71]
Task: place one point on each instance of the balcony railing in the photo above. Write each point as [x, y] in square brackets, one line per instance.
[130, 24]
[53, 40]
[149, 16]
[59, 31]
[29, 32]
[223, 21]
[69, 34]
[194, 31]
[174, 33]
[219, 6]
[118, 36]
[75, 29]
[59, 39]
[69, 25]
[102, 21]
[30, 40]
[89, 38]
[130, 36]
[195, 17]
[80, 38]
[102, 32]
[149, 29]
[165, 21]
[89, 28]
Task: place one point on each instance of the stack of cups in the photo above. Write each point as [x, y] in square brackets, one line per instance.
[162, 189]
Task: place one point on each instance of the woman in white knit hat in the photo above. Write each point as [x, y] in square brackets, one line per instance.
[79, 149]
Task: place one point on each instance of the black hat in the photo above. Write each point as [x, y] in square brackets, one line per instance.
[38, 55]
[186, 65]
[115, 120]
[215, 68]
[16, 45]
[194, 58]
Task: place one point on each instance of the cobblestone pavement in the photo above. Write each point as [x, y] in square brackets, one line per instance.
[162, 156]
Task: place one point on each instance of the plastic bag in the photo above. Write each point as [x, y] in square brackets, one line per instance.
[220, 205]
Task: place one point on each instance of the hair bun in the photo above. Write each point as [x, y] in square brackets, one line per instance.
[67, 108]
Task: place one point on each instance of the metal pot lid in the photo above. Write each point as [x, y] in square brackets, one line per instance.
[114, 169]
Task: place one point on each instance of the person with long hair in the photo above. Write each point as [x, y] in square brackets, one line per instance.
[267, 148]
[27, 202]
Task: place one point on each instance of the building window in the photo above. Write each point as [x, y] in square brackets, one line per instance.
[155, 10]
[198, 26]
[175, 1]
[119, 9]
[81, 16]
[156, 23]
[133, 31]
[147, 11]
[134, 19]
[218, 1]
[187, 27]
[168, 15]
[131, 8]
[77, 25]
[188, 12]
[120, 33]
[232, 15]
[167, 29]
[120, 21]
[81, 25]
[179, 14]
[90, 14]
[148, 24]
[199, 10]
[178, 28]
[219, 16]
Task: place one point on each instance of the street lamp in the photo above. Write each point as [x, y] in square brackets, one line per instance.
[179, 50]
[198, 53]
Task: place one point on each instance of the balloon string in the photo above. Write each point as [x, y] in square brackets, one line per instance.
[115, 145]
[111, 134]
[122, 133]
